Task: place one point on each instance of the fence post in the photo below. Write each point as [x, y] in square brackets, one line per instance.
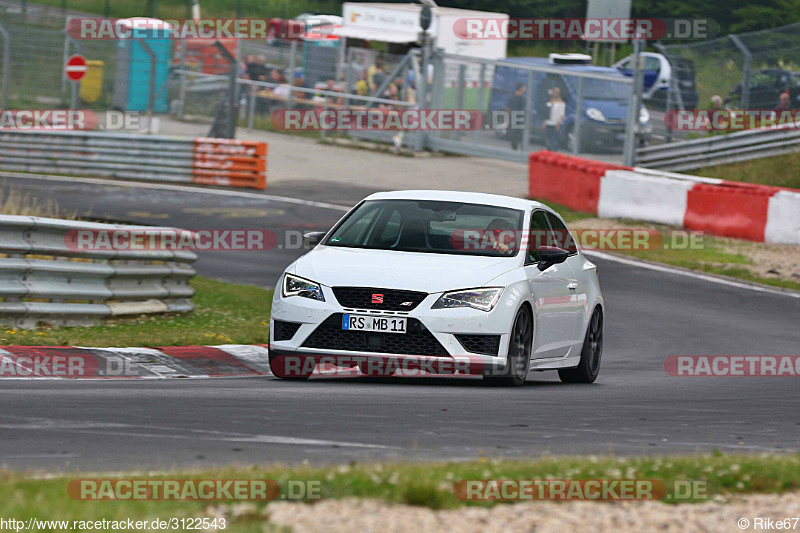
[748, 63]
[182, 96]
[151, 88]
[251, 108]
[233, 99]
[526, 123]
[290, 78]
[635, 102]
[576, 130]
[6, 60]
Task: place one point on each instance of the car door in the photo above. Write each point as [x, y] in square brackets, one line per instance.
[579, 286]
[551, 293]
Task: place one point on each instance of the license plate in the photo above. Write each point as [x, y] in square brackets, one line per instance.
[384, 324]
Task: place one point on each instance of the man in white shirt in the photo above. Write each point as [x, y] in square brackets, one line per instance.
[552, 126]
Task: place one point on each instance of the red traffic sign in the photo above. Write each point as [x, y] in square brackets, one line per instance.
[76, 67]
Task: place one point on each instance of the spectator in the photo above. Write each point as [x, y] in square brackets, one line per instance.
[259, 71]
[362, 86]
[376, 75]
[250, 66]
[516, 104]
[784, 102]
[283, 90]
[552, 126]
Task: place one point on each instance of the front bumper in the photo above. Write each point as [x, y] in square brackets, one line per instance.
[445, 354]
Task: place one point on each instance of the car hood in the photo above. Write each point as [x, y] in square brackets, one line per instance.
[335, 266]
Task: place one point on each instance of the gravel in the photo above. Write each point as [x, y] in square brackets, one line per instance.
[364, 516]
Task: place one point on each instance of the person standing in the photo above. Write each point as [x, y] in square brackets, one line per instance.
[552, 126]
[516, 104]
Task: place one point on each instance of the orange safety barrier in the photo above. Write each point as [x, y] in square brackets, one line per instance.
[230, 162]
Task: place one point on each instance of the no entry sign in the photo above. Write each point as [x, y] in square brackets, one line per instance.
[76, 67]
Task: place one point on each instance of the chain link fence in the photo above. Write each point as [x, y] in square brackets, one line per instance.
[192, 79]
[748, 70]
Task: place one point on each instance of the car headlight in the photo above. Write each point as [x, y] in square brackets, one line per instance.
[595, 114]
[644, 115]
[483, 299]
[297, 286]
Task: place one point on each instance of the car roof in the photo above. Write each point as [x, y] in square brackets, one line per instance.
[457, 196]
[545, 62]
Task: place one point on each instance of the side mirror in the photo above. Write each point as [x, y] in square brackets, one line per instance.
[549, 256]
[312, 238]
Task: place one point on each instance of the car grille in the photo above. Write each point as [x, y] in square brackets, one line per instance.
[393, 299]
[481, 344]
[417, 341]
[284, 331]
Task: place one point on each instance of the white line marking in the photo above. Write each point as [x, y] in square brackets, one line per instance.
[696, 275]
[181, 188]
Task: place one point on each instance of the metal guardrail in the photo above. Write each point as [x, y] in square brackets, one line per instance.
[131, 156]
[45, 278]
[721, 149]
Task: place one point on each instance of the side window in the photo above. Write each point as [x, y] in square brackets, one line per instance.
[624, 65]
[562, 236]
[539, 235]
[652, 63]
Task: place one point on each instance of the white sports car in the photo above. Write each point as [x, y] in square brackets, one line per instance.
[442, 282]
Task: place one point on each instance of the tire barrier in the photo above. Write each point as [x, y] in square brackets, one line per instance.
[222, 162]
[719, 207]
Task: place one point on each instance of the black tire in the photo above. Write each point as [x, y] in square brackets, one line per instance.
[519, 353]
[589, 367]
[278, 368]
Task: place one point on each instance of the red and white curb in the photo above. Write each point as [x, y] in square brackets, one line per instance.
[73, 362]
[727, 208]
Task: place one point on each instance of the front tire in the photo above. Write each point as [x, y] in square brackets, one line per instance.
[519, 353]
[589, 367]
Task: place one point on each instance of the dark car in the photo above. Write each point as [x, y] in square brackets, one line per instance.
[766, 86]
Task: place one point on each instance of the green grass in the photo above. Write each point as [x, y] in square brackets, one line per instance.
[419, 484]
[779, 170]
[568, 214]
[225, 313]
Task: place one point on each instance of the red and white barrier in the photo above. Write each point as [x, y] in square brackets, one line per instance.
[718, 207]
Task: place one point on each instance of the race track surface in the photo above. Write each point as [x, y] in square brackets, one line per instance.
[634, 408]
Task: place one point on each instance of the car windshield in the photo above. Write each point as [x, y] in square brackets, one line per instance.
[432, 227]
[594, 89]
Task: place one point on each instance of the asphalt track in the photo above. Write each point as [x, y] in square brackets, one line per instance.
[634, 408]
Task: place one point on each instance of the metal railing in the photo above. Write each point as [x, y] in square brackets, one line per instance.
[721, 149]
[45, 278]
[133, 156]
